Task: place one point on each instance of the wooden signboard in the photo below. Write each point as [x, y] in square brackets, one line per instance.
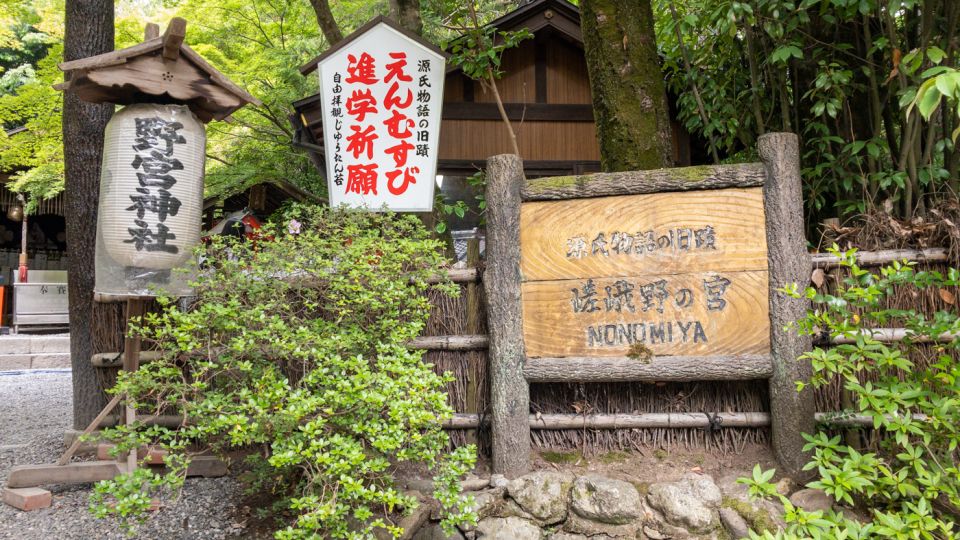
[678, 274]
[653, 276]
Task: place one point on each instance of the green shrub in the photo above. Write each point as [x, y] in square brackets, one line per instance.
[293, 351]
[909, 485]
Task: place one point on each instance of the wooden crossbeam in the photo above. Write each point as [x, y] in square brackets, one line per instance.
[73, 473]
[656, 369]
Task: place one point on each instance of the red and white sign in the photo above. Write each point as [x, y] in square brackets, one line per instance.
[382, 94]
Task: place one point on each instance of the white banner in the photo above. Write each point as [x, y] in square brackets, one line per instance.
[382, 95]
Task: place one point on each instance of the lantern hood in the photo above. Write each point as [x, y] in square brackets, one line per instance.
[160, 70]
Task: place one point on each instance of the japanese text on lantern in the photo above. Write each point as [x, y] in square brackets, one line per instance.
[675, 273]
[153, 201]
[381, 95]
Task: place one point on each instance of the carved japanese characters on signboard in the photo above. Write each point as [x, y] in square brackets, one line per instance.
[676, 273]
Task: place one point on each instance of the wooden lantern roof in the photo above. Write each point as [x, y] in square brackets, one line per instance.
[162, 69]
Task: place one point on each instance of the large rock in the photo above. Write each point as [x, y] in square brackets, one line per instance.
[508, 528]
[605, 500]
[811, 500]
[435, 532]
[734, 523]
[688, 503]
[544, 495]
[485, 504]
[577, 525]
[764, 514]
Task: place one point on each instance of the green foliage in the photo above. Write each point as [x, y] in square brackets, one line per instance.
[909, 483]
[294, 351]
[840, 73]
[477, 182]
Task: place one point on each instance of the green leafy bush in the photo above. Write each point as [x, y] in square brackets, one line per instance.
[293, 351]
[909, 484]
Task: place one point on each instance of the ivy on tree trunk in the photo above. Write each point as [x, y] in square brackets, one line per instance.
[88, 31]
[629, 100]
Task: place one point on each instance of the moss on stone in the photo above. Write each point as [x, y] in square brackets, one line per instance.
[759, 520]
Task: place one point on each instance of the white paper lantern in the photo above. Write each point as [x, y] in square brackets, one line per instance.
[151, 199]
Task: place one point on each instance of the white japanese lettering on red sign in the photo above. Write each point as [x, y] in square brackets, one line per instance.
[382, 96]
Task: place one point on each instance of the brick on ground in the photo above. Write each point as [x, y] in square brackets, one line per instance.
[27, 499]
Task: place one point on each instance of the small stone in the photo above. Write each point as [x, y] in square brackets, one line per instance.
[568, 536]
[498, 480]
[27, 499]
[653, 534]
[688, 503]
[784, 486]
[735, 524]
[544, 495]
[605, 500]
[508, 528]
[811, 500]
[473, 483]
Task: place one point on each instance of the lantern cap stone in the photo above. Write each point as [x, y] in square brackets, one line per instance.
[310, 66]
[161, 69]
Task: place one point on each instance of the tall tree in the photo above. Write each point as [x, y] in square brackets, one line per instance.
[407, 13]
[629, 100]
[88, 31]
[328, 25]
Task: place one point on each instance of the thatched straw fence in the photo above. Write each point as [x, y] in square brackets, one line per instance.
[715, 416]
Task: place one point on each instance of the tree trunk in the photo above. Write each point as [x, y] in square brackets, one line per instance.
[89, 31]
[629, 100]
[407, 13]
[328, 25]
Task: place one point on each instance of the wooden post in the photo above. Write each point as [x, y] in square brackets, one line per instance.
[792, 412]
[131, 362]
[509, 391]
[473, 327]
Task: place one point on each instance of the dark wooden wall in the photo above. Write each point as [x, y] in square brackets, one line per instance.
[546, 92]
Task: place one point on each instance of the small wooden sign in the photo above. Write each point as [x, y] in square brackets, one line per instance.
[676, 274]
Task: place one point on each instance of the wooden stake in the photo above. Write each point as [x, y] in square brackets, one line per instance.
[93, 425]
[173, 38]
[473, 327]
[131, 362]
[509, 391]
[792, 412]
[151, 31]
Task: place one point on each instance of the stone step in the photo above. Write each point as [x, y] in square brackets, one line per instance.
[34, 361]
[34, 344]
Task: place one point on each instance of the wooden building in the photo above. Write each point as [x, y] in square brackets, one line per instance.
[546, 94]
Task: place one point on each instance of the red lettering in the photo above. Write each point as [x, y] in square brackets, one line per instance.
[362, 179]
[360, 103]
[391, 100]
[396, 68]
[408, 179]
[361, 70]
[361, 141]
[399, 152]
[394, 126]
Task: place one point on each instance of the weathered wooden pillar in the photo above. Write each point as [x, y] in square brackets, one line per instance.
[792, 412]
[509, 391]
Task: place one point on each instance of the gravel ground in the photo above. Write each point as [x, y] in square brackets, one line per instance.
[35, 409]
